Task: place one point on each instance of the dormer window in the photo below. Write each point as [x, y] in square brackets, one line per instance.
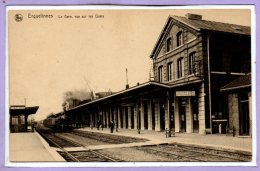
[179, 39]
[169, 44]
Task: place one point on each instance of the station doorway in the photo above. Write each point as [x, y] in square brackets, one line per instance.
[132, 117]
[195, 114]
[126, 117]
[182, 113]
[244, 114]
[153, 116]
[162, 116]
[172, 118]
[145, 115]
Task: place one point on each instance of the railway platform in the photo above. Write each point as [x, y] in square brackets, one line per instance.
[213, 141]
[29, 146]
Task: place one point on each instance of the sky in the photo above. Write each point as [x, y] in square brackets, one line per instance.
[49, 55]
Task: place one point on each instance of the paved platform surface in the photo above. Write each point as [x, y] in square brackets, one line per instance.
[216, 141]
[31, 147]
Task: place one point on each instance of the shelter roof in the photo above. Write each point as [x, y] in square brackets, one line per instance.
[241, 82]
[19, 109]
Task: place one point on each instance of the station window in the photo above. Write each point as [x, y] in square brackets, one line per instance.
[160, 74]
[180, 67]
[169, 44]
[169, 71]
[14, 120]
[192, 67]
[22, 119]
[179, 39]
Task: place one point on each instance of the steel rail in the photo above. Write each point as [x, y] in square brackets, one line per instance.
[99, 138]
[87, 149]
[169, 153]
[55, 144]
[185, 148]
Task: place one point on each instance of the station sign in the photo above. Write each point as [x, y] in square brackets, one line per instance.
[185, 93]
[219, 120]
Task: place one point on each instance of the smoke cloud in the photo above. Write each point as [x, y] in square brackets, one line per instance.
[76, 94]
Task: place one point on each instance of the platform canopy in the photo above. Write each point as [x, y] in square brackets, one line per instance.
[124, 94]
[149, 89]
[20, 109]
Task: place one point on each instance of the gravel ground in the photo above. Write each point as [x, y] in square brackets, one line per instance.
[162, 154]
[134, 155]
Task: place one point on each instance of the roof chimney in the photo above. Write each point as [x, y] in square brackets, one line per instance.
[127, 85]
[193, 16]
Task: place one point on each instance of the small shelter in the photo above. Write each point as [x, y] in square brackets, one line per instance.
[19, 117]
[240, 105]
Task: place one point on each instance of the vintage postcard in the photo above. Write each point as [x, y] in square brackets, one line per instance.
[131, 86]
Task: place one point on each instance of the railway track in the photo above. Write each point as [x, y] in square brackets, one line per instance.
[224, 155]
[110, 139]
[76, 156]
[196, 154]
[87, 156]
[171, 152]
[51, 140]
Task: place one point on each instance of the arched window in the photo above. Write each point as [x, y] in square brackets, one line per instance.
[192, 67]
[160, 74]
[169, 44]
[179, 38]
[169, 71]
[180, 67]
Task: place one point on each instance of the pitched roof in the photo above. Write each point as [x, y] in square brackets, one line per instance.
[241, 82]
[201, 25]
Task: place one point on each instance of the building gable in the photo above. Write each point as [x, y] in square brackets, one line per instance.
[193, 25]
[170, 31]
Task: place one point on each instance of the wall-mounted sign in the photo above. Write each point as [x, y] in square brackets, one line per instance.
[185, 93]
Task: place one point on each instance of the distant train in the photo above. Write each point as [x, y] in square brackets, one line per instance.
[58, 122]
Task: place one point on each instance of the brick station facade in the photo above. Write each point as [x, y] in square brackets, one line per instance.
[192, 59]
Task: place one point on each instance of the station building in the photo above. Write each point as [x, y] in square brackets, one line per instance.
[193, 59]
